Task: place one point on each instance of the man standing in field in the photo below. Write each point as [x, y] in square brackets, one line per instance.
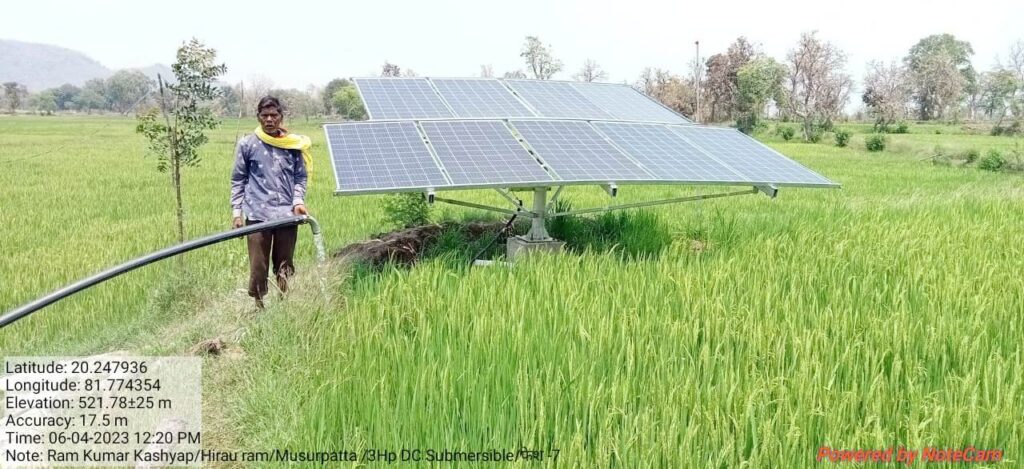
[268, 183]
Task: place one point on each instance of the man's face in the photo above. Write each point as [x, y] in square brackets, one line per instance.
[270, 119]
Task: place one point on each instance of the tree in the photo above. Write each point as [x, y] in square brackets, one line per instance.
[44, 102]
[89, 100]
[252, 91]
[390, 70]
[98, 88]
[14, 95]
[758, 83]
[348, 104]
[539, 60]
[515, 74]
[887, 93]
[126, 88]
[327, 96]
[176, 139]
[721, 80]
[591, 72]
[486, 71]
[998, 90]
[297, 102]
[229, 103]
[669, 89]
[817, 87]
[940, 70]
[64, 96]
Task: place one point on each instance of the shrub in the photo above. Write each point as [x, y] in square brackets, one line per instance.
[749, 123]
[842, 138]
[993, 161]
[970, 156]
[406, 209]
[786, 133]
[875, 142]
[815, 135]
[902, 128]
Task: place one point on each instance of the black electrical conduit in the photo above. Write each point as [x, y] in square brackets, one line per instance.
[11, 316]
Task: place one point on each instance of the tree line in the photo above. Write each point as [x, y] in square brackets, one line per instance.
[934, 81]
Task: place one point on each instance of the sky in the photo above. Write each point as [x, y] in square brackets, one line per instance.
[297, 43]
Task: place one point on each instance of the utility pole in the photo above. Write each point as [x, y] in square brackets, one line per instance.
[696, 80]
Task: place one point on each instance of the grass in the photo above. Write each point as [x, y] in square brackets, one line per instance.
[887, 313]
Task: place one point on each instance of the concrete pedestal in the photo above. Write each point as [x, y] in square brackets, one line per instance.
[520, 246]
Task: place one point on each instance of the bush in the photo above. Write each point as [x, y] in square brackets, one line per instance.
[785, 132]
[815, 135]
[406, 209]
[902, 128]
[1010, 130]
[842, 138]
[970, 156]
[993, 161]
[875, 142]
[749, 124]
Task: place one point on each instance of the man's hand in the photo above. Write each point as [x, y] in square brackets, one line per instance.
[237, 222]
[300, 210]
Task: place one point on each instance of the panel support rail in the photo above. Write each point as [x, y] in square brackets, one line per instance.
[541, 209]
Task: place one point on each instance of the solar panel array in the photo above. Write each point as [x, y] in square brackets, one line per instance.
[452, 133]
[482, 152]
[489, 98]
[557, 99]
[381, 155]
[401, 98]
[625, 103]
[392, 156]
[480, 98]
[576, 152]
[667, 155]
[748, 156]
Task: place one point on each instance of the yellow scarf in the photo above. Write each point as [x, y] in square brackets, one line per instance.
[290, 142]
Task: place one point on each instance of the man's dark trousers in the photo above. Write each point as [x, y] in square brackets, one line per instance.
[277, 246]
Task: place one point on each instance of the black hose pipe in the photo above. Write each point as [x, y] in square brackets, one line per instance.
[15, 314]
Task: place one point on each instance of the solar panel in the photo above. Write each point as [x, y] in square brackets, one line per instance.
[482, 152]
[480, 98]
[749, 157]
[625, 103]
[556, 99]
[576, 152]
[378, 156]
[401, 98]
[667, 155]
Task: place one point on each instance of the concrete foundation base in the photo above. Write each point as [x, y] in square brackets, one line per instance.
[520, 246]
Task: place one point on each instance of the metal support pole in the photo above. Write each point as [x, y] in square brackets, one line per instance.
[653, 203]
[461, 203]
[537, 230]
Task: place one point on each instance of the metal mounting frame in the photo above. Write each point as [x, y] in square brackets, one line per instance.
[542, 208]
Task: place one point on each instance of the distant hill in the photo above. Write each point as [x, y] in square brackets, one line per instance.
[41, 66]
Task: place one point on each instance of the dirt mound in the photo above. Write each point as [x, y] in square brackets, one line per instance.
[406, 246]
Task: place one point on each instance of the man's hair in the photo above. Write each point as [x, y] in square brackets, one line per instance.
[269, 101]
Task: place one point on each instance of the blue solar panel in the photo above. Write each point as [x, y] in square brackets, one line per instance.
[625, 103]
[576, 152]
[401, 98]
[482, 153]
[749, 157]
[557, 99]
[480, 98]
[381, 156]
[666, 154]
